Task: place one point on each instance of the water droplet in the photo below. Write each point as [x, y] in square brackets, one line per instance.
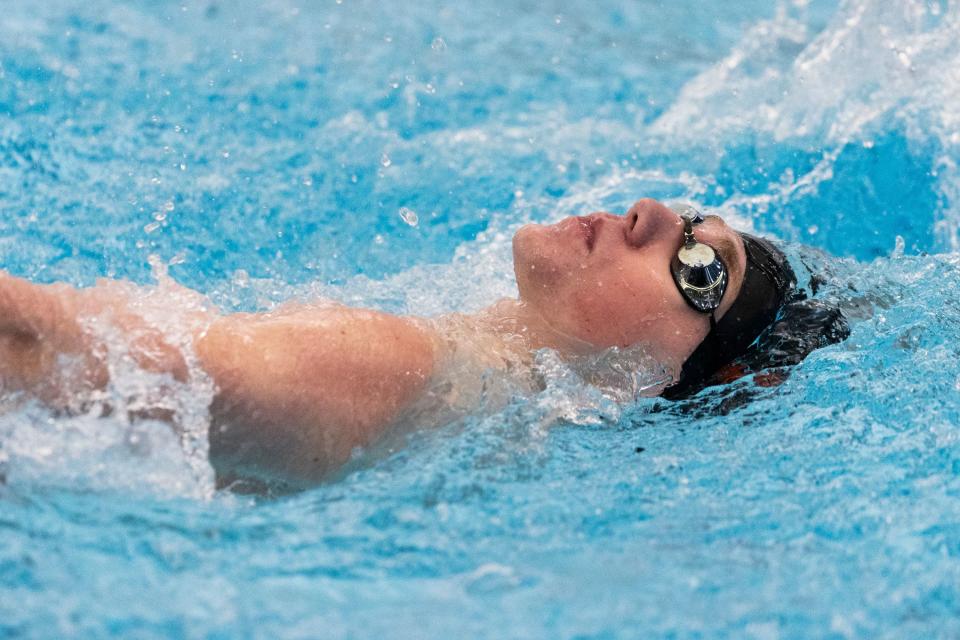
[385, 160]
[409, 216]
[241, 278]
[438, 44]
[898, 247]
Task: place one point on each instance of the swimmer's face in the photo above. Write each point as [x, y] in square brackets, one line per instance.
[605, 279]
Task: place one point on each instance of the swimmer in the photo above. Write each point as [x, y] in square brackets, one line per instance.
[299, 389]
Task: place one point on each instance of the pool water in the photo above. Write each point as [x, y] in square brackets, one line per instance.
[382, 155]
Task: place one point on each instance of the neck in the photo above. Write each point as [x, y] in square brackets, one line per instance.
[506, 335]
[514, 325]
[510, 331]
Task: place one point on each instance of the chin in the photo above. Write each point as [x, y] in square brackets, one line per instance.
[525, 247]
[536, 263]
[525, 238]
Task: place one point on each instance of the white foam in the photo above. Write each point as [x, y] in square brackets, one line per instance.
[876, 65]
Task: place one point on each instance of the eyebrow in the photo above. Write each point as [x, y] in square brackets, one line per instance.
[727, 249]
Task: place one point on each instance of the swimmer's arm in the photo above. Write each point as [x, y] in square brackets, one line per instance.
[44, 351]
[297, 392]
[40, 325]
[34, 311]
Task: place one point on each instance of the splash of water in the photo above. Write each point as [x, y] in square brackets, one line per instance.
[875, 67]
[107, 442]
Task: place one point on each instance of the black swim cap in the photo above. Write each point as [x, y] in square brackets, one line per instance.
[768, 283]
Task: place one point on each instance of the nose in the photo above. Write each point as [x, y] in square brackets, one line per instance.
[648, 220]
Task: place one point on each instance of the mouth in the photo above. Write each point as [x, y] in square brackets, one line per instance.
[588, 225]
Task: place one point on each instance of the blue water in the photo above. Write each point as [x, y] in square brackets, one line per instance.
[261, 151]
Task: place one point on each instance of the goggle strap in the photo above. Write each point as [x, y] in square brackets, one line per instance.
[688, 238]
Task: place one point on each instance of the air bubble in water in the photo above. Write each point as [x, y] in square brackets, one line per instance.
[409, 216]
[438, 44]
[385, 160]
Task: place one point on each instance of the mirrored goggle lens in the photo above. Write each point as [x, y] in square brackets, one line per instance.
[697, 270]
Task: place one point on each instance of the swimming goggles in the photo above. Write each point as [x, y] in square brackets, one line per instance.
[700, 274]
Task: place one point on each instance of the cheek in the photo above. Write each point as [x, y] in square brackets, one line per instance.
[627, 310]
[612, 310]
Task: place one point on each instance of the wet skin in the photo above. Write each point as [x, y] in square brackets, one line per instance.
[299, 388]
[605, 279]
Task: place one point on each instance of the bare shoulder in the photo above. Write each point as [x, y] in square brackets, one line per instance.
[336, 374]
[323, 339]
